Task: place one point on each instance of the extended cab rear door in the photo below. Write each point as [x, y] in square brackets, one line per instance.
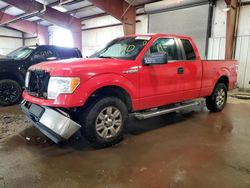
[160, 84]
[191, 69]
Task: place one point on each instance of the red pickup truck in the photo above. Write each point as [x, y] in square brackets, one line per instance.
[143, 75]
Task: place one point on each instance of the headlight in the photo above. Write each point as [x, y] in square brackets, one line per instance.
[62, 85]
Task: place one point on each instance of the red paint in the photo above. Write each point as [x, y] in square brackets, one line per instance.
[151, 86]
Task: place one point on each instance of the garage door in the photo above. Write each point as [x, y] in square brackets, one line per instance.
[192, 21]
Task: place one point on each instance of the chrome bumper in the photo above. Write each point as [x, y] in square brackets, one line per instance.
[53, 123]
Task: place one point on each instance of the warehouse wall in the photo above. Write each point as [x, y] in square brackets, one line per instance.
[216, 45]
[242, 50]
[95, 39]
[8, 44]
[30, 40]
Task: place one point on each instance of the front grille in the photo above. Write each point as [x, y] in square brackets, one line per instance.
[37, 83]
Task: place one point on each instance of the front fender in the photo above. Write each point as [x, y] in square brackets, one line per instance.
[111, 80]
[87, 88]
[6, 74]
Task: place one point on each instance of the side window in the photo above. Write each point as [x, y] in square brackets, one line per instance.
[166, 45]
[188, 49]
[44, 54]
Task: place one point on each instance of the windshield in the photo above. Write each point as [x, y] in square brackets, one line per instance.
[123, 48]
[21, 53]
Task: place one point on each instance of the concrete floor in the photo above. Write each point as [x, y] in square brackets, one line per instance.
[188, 149]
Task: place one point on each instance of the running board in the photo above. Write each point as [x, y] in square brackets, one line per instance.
[145, 115]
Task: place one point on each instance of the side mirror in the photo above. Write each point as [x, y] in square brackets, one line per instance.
[156, 58]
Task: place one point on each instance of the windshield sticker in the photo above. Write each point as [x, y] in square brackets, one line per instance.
[130, 48]
[143, 38]
[144, 43]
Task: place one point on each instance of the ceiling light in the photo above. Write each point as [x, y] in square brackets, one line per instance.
[60, 8]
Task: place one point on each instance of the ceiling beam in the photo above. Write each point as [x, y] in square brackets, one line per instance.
[67, 4]
[79, 9]
[230, 28]
[53, 16]
[100, 15]
[38, 21]
[141, 5]
[112, 7]
[68, 12]
[90, 6]
[93, 16]
[5, 8]
[28, 27]
[104, 26]
[121, 10]
[72, 11]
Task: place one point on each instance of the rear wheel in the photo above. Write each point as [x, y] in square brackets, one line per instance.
[10, 92]
[217, 101]
[103, 122]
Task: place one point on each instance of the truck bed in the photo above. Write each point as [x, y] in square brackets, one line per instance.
[213, 69]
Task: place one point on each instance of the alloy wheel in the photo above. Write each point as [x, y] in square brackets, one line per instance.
[108, 122]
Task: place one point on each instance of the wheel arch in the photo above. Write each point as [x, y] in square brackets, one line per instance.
[223, 79]
[8, 75]
[112, 90]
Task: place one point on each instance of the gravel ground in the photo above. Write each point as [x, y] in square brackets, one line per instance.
[11, 125]
[12, 122]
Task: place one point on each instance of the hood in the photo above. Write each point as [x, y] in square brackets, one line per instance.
[2, 56]
[77, 64]
[9, 60]
[5, 59]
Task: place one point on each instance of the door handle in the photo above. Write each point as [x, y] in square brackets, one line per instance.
[130, 71]
[180, 70]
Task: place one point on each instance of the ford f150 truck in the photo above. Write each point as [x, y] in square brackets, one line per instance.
[14, 65]
[143, 75]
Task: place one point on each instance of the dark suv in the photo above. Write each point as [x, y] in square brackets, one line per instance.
[13, 67]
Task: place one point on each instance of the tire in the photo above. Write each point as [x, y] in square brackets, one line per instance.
[103, 122]
[10, 92]
[217, 101]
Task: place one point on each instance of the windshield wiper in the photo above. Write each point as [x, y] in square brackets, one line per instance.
[101, 56]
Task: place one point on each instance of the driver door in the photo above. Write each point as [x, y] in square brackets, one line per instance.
[160, 84]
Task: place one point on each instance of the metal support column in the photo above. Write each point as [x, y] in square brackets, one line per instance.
[230, 28]
[121, 10]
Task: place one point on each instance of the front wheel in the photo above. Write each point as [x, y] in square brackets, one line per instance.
[10, 92]
[103, 122]
[217, 101]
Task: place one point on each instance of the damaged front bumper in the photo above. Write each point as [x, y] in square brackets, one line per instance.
[54, 123]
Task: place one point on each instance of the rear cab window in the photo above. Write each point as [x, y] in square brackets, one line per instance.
[44, 54]
[189, 53]
[68, 53]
